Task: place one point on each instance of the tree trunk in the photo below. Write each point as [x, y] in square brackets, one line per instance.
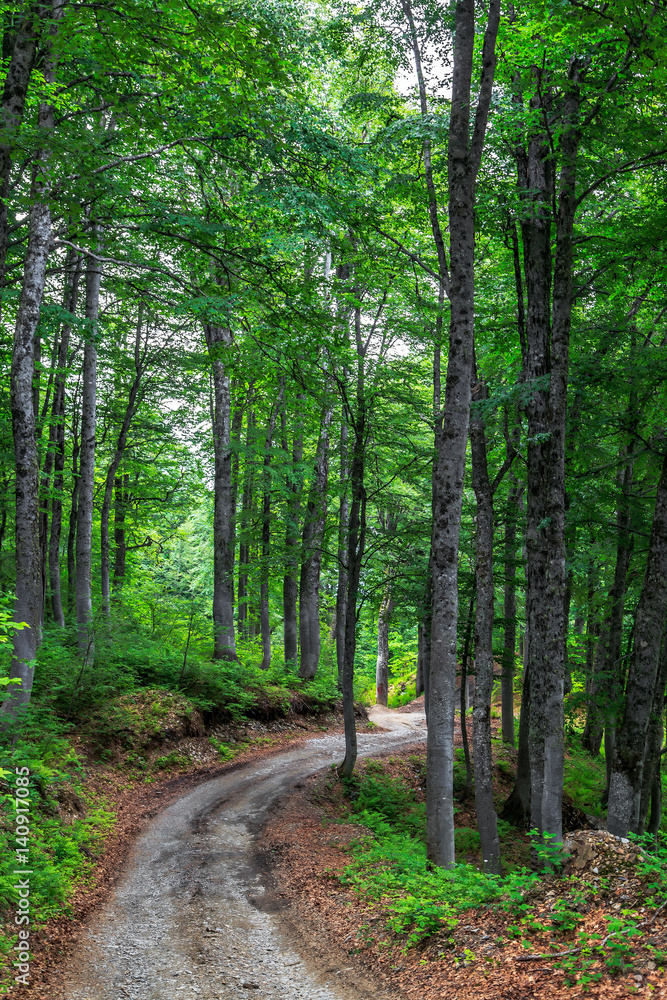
[517, 807]
[73, 513]
[509, 613]
[57, 442]
[487, 821]
[547, 335]
[656, 729]
[245, 532]
[382, 663]
[293, 485]
[628, 759]
[343, 525]
[121, 494]
[29, 590]
[121, 444]
[13, 105]
[266, 535]
[605, 684]
[311, 554]
[464, 157]
[217, 339]
[354, 557]
[84, 519]
[463, 694]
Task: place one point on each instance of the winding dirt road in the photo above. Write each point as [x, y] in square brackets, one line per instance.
[186, 920]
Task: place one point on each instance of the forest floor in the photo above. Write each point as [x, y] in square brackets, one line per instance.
[492, 953]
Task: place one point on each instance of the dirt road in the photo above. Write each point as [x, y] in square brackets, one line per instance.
[184, 920]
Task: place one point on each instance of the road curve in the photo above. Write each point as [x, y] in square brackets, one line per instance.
[180, 923]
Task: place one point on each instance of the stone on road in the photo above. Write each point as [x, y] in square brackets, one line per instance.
[183, 922]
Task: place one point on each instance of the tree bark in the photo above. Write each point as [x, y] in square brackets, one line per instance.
[487, 821]
[517, 807]
[121, 444]
[293, 485]
[217, 339]
[311, 553]
[246, 527]
[12, 108]
[29, 590]
[463, 699]
[382, 662]
[628, 759]
[84, 519]
[57, 442]
[651, 772]
[343, 526]
[464, 157]
[121, 495]
[266, 534]
[73, 513]
[509, 613]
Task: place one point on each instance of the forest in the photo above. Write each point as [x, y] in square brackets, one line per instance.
[334, 353]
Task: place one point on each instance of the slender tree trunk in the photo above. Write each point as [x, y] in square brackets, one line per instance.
[487, 821]
[121, 444]
[509, 643]
[29, 590]
[311, 554]
[464, 157]
[517, 807]
[628, 760]
[463, 701]
[656, 729]
[605, 685]
[421, 651]
[73, 513]
[343, 526]
[57, 442]
[294, 484]
[84, 519]
[266, 535]
[121, 493]
[355, 553]
[13, 105]
[246, 527]
[382, 663]
[217, 339]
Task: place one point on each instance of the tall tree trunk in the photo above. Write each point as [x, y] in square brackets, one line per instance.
[487, 821]
[651, 772]
[605, 684]
[356, 542]
[509, 613]
[547, 334]
[293, 484]
[265, 624]
[464, 157]
[11, 111]
[312, 538]
[517, 807]
[73, 513]
[628, 760]
[343, 525]
[382, 662]
[57, 440]
[84, 519]
[463, 700]
[245, 532]
[121, 495]
[121, 444]
[29, 590]
[217, 339]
